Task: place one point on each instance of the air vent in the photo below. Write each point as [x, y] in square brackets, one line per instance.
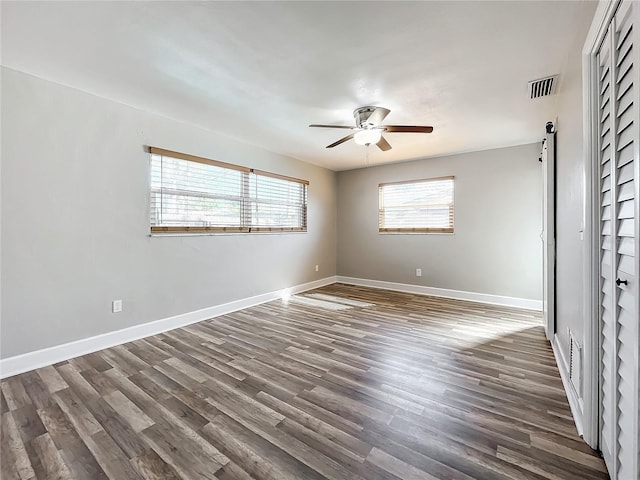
[543, 86]
[575, 364]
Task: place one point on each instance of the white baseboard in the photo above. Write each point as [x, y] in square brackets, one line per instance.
[445, 292]
[575, 402]
[30, 361]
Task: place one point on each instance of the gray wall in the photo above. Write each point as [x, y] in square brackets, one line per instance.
[496, 247]
[75, 221]
[570, 191]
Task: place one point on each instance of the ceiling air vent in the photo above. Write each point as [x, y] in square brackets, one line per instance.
[543, 86]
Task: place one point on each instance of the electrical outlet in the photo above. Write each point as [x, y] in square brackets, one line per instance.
[418, 272]
[317, 268]
[116, 306]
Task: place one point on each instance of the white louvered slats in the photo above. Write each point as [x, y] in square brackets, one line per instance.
[609, 354]
[618, 152]
[626, 114]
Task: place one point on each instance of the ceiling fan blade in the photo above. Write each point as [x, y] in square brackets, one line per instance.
[407, 128]
[383, 144]
[342, 140]
[377, 116]
[332, 126]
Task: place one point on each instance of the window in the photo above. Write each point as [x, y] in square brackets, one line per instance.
[416, 206]
[194, 194]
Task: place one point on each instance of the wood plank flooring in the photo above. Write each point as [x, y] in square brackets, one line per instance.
[343, 382]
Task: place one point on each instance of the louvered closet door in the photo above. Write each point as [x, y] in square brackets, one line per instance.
[609, 354]
[619, 233]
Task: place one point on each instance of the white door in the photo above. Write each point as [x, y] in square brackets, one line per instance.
[548, 235]
[618, 164]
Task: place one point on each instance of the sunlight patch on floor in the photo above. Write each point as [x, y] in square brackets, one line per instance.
[313, 302]
[345, 301]
[327, 302]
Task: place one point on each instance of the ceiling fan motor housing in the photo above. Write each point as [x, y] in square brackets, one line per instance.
[362, 114]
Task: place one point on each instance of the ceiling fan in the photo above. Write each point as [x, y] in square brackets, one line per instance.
[368, 129]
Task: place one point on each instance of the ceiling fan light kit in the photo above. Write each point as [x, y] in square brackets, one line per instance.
[367, 137]
[368, 129]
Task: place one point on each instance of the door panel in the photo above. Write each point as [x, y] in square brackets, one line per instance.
[609, 354]
[617, 63]
[548, 235]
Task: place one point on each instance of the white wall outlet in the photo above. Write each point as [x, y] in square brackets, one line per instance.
[116, 306]
[317, 268]
[418, 272]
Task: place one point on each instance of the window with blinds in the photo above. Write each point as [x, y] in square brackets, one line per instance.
[198, 195]
[416, 206]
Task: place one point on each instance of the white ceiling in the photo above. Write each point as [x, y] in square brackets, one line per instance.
[262, 71]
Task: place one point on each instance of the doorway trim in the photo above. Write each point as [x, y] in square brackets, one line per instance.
[548, 235]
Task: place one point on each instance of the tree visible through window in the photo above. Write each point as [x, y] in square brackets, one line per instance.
[416, 206]
[194, 194]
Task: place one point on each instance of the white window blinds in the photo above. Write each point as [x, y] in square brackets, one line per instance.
[194, 194]
[276, 202]
[416, 206]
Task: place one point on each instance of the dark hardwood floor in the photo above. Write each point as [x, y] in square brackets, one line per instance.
[342, 383]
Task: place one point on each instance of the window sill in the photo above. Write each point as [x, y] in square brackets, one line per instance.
[217, 234]
[416, 233]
